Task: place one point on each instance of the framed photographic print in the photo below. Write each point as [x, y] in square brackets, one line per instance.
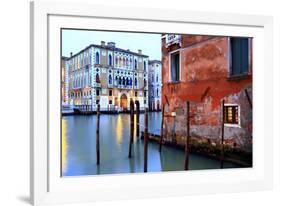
[129, 106]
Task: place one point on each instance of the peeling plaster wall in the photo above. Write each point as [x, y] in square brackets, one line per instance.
[204, 81]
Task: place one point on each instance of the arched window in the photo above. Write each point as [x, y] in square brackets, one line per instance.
[131, 62]
[157, 78]
[136, 82]
[110, 79]
[144, 82]
[120, 81]
[120, 62]
[157, 92]
[131, 82]
[136, 66]
[124, 81]
[97, 78]
[97, 58]
[116, 80]
[127, 81]
[144, 66]
[110, 59]
[127, 62]
[116, 60]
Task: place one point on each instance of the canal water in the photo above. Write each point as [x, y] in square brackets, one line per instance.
[79, 148]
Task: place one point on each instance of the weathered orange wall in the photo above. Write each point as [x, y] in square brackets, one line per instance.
[204, 81]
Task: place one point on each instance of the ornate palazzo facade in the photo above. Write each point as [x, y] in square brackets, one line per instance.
[106, 75]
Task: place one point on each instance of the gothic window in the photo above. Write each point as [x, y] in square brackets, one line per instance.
[157, 92]
[136, 64]
[144, 82]
[144, 66]
[97, 78]
[120, 81]
[123, 81]
[110, 59]
[97, 58]
[136, 82]
[110, 79]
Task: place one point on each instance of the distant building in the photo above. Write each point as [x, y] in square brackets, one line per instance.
[64, 81]
[155, 85]
[106, 75]
[204, 70]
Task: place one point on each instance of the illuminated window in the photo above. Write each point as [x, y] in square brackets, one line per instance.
[231, 115]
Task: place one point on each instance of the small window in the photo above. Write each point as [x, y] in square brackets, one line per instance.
[110, 92]
[110, 79]
[175, 67]
[144, 93]
[110, 59]
[136, 82]
[110, 102]
[136, 64]
[144, 101]
[231, 115]
[98, 92]
[97, 101]
[136, 94]
[239, 56]
[144, 66]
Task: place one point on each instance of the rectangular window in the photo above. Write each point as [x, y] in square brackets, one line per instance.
[97, 101]
[110, 102]
[175, 67]
[98, 92]
[239, 56]
[231, 115]
[136, 94]
[144, 93]
[110, 92]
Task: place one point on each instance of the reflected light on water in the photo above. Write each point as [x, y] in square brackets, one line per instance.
[119, 127]
[64, 145]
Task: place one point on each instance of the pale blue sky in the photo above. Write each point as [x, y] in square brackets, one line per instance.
[76, 40]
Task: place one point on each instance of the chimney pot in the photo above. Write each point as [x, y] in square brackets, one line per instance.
[102, 43]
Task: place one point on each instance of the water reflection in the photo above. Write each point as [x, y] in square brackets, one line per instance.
[79, 153]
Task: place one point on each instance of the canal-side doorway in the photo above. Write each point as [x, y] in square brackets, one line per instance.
[124, 102]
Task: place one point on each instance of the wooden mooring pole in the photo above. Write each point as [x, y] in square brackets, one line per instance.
[186, 163]
[145, 139]
[222, 133]
[162, 129]
[138, 118]
[131, 127]
[98, 135]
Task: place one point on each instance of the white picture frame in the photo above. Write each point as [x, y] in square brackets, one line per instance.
[46, 184]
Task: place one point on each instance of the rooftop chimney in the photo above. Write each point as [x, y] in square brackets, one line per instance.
[111, 44]
[140, 51]
[102, 43]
